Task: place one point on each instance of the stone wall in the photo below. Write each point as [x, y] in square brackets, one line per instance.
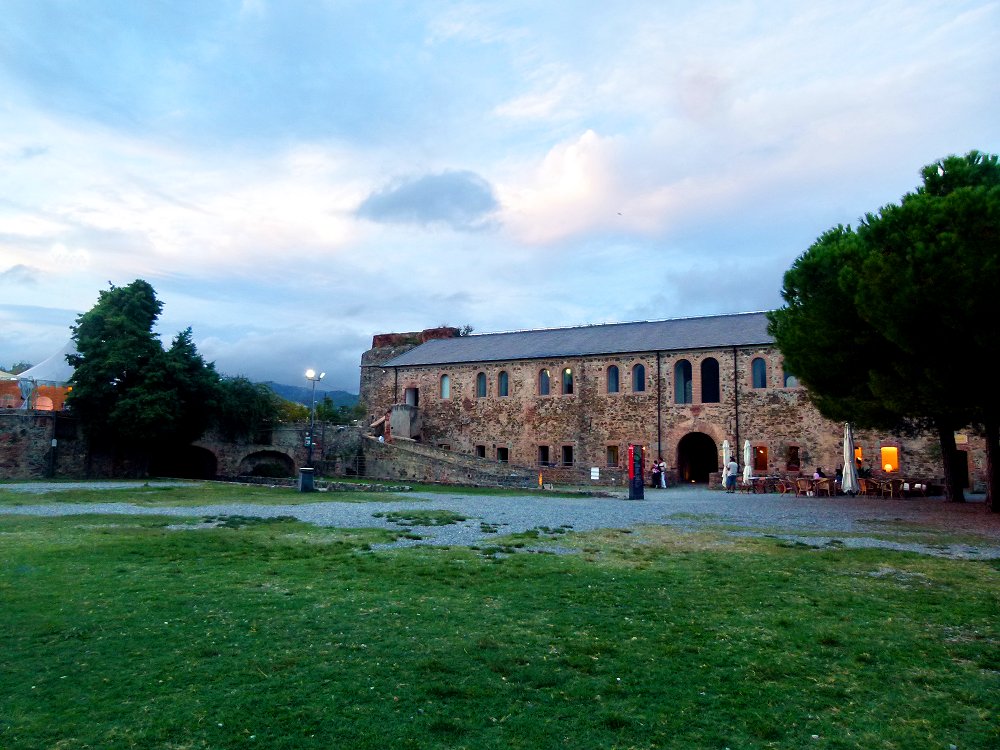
[595, 427]
[27, 450]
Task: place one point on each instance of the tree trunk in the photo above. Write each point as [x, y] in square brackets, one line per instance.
[946, 435]
[992, 464]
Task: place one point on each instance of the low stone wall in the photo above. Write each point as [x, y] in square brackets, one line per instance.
[404, 460]
[27, 450]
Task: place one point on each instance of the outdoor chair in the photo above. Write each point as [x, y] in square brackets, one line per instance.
[870, 487]
[803, 486]
[822, 487]
[892, 488]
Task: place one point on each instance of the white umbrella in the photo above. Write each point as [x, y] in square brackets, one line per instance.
[747, 460]
[726, 456]
[849, 483]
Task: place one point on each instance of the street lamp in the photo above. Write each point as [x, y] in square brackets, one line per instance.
[315, 378]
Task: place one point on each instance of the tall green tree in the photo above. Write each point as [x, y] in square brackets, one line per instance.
[245, 409]
[891, 325]
[132, 396]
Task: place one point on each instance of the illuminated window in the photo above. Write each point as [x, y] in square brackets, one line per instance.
[890, 460]
[760, 459]
[567, 381]
[789, 378]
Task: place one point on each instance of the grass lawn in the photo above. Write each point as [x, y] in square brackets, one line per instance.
[128, 632]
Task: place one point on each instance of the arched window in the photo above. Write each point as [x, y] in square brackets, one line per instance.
[639, 378]
[710, 381]
[613, 379]
[759, 367]
[445, 386]
[481, 385]
[789, 378]
[543, 383]
[503, 384]
[567, 381]
[683, 388]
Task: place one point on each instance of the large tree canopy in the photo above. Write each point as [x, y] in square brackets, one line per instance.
[891, 325]
[130, 394]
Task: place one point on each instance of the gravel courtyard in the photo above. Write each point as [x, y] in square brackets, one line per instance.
[928, 526]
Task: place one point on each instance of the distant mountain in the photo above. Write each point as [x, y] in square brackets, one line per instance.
[301, 394]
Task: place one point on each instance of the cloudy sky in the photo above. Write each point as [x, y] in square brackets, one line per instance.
[293, 177]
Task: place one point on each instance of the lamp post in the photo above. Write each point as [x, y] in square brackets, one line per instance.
[315, 378]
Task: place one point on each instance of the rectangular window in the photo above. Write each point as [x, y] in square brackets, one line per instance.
[567, 455]
[503, 454]
[543, 455]
[481, 451]
[890, 459]
[760, 459]
[612, 456]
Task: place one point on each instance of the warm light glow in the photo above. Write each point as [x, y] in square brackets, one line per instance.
[890, 458]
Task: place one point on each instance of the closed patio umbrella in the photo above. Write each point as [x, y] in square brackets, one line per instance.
[849, 483]
[747, 460]
[726, 456]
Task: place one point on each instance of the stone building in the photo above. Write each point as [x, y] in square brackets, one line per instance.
[572, 400]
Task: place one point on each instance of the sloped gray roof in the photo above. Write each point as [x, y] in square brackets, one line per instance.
[740, 329]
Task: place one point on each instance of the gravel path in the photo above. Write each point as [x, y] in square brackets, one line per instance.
[852, 522]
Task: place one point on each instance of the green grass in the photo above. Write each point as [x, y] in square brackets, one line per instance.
[127, 632]
[192, 494]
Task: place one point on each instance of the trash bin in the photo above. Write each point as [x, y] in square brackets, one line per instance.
[306, 480]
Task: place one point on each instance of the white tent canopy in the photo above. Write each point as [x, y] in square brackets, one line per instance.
[52, 371]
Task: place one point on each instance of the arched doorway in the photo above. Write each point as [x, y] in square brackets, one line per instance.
[184, 462]
[267, 464]
[697, 458]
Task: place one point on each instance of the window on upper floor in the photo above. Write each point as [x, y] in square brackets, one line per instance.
[503, 384]
[683, 386]
[567, 380]
[638, 378]
[445, 386]
[481, 385]
[613, 379]
[759, 370]
[544, 380]
[710, 381]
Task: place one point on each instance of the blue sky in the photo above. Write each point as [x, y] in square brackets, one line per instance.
[294, 177]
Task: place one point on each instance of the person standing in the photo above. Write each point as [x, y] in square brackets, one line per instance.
[734, 470]
[656, 474]
[663, 473]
